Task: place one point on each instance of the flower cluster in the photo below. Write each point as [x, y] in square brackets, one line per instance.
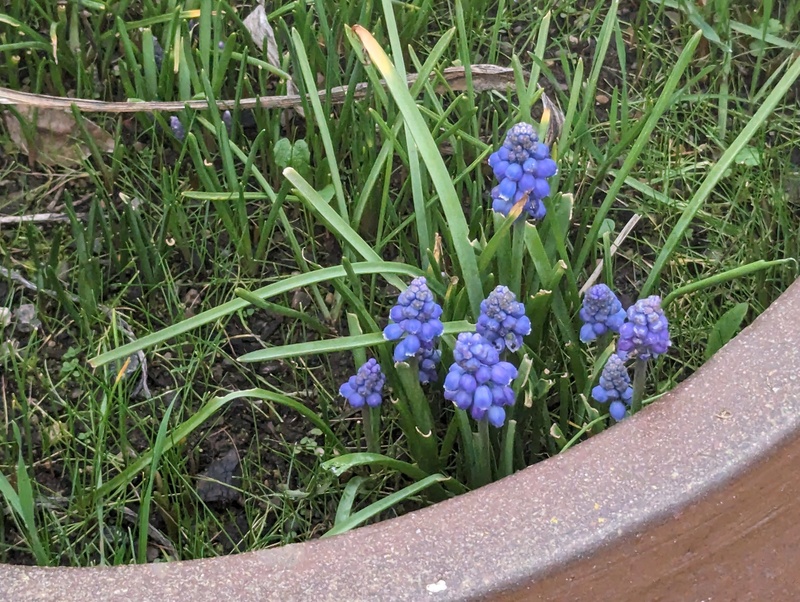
[502, 320]
[158, 53]
[415, 320]
[601, 312]
[177, 128]
[615, 387]
[365, 387]
[478, 380]
[522, 166]
[645, 335]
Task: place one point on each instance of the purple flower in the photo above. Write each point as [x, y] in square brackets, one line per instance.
[502, 320]
[158, 53]
[416, 323]
[615, 387]
[478, 381]
[177, 128]
[365, 387]
[645, 334]
[522, 166]
[600, 313]
[227, 119]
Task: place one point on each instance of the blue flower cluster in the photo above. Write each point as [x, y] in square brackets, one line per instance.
[415, 320]
[615, 387]
[365, 387]
[158, 53]
[478, 380]
[522, 166]
[601, 312]
[502, 320]
[177, 128]
[645, 335]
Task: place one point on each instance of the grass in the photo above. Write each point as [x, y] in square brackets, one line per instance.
[161, 230]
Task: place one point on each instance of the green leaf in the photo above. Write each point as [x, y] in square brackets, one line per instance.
[282, 153]
[337, 344]
[384, 504]
[341, 464]
[429, 151]
[725, 328]
[345, 506]
[301, 158]
[282, 286]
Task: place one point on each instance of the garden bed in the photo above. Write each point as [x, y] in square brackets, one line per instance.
[173, 349]
[693, 498]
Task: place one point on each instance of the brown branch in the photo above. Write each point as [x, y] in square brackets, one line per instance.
[484, 77]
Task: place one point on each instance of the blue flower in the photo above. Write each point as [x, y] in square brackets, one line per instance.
[227, 119]
[478, 381]
[416, 323]
[615, 387]
[600, 313]
[365, 387]
[429, 358]
[645, 335]
[522, 166]
[158, 53]
[177, 128]
[502, 320]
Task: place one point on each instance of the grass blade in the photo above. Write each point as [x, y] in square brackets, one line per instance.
[271, 290]
[384, 504]
[451, 203]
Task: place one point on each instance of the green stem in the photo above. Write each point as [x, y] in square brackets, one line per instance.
[483, 451]
[517, 252]
[372, 428]
[507, 460]
[639, 377]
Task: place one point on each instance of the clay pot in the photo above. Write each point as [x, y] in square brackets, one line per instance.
[695, 498]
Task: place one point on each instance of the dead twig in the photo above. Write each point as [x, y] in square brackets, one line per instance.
[484, 78]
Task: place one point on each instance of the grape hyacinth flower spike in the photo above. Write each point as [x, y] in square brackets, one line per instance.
[645, 334]
[416, 324]
[522, 166]
[615, 387]
[365, 387]
[601, 312]
[478, 381]
[177, 128]
[502, 320]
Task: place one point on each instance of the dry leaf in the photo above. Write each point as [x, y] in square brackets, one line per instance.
[55, 138]
[261, 32]
[554, 117]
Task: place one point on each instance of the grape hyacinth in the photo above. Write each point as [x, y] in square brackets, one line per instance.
[522, 166]
[415, 319]
[429, 358]
[502, 320]
[615, 387]
[177, 128]
[365, 387]
[645, 334]
[478, 381]
[158, 53]
[601, 312]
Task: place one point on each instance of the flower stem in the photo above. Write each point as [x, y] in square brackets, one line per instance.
[639, 377]
[483, 452]
[371, 418]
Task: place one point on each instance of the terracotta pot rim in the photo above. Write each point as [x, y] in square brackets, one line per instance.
[632, 507]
